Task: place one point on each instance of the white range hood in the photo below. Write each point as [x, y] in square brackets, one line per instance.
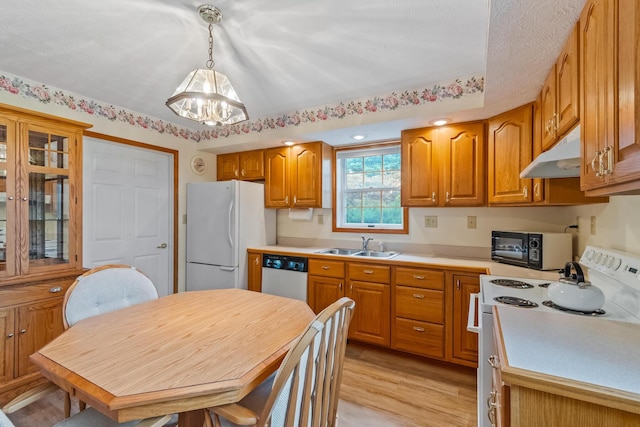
[562, 161]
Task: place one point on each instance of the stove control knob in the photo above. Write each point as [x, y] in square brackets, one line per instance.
[616, 263]
[598, 258]
[590, 254]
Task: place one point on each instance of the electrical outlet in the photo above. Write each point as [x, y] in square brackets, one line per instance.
[431, 221]
[320, 219]
[471, 222]
[593, 225]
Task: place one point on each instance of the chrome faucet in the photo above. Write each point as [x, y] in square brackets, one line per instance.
[365, 242]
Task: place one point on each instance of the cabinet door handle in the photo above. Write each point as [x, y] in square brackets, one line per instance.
[556, 121]
[351, 288]
[24, 199]
[433, 196]
[418, 329]
[23, 331]
[55, 289]
[255, 261]
[325, 267]
[418, 296]
[340, 287]
[242, 172]
[286, 200]
[608, 152]
[418, 276]
[458, 284]
[295, 199]
[235, 172]
[536, 189]
[10, 335]
[368, 271]
[10, 197]
[593, 163]
[447, 198]
[525, 191]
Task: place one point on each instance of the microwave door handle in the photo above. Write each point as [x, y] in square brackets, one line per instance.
[473, 303]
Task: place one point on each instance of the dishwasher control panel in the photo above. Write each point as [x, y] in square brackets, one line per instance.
[285, 262]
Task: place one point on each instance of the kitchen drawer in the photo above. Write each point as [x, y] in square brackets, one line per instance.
[418, 337]
[420, 304]
[420, 278]
[19, 294]
[320, 267]
[369, 273]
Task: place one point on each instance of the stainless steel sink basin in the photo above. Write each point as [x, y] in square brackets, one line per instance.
[377, 254]
[338, 251]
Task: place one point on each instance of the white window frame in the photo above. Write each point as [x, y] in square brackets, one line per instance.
[340, 223]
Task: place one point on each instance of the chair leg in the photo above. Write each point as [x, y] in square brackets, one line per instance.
[82, 405]
[67, 405]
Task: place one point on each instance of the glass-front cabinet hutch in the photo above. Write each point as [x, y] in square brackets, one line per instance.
[40, 235]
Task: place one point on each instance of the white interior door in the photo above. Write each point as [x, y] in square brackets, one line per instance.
[128, 209]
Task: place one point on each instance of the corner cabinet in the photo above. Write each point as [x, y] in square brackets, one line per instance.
[610, 97]
[40, 234]
[510, 151]
[298, 176]
[444, 166]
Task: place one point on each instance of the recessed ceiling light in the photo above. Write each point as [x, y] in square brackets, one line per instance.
[288, 143]
[440, 122]
[358, 137]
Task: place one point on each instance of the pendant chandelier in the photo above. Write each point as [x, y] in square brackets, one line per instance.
[206, 95]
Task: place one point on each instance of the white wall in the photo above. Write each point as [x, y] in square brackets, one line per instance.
[617, 225]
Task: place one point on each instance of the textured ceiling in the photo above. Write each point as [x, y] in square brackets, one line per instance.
[287, 55]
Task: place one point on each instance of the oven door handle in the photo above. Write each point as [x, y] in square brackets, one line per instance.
[473, 304]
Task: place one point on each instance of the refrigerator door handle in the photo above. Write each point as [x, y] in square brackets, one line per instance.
[229, 228]
[227, 268]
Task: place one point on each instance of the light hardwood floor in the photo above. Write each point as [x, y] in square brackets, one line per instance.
[379, 388]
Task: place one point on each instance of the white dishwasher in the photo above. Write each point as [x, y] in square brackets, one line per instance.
[285, 276]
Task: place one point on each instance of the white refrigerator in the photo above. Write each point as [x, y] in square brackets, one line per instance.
[224, 218]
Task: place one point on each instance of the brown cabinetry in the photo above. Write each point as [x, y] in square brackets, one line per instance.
[254, 276]
[560, 94]
[369, 286]
[610, 124]
[245, 165]
[298, 176]
[444, 166]
[326, 283]
[464, 343]
[510, 152]
[419, 312]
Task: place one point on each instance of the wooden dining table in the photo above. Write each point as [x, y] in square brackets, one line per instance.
[176, 354]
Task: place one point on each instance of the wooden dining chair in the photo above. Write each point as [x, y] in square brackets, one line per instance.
[86, 418]
[305, 389]
[102, 290]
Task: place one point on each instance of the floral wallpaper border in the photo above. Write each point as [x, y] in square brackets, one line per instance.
[454, 89]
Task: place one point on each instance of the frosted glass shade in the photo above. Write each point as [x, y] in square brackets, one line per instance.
[207, 96]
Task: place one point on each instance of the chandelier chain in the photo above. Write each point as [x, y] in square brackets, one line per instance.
[210, 62]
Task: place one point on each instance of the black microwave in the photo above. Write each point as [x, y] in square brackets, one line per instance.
[536, 250]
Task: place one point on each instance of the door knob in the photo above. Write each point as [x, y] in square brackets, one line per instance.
[162, 246]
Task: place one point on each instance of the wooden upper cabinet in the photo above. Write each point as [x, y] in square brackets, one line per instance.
[444, 166]
[227, 166]
[510, 151]
[298, 176]
[463, 164]
[245, 165]
[548, 109]
[276, 185]
[419, 167]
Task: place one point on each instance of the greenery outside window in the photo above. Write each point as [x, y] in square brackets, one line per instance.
[368, 190]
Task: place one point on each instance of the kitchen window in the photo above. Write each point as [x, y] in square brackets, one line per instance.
[368, 190]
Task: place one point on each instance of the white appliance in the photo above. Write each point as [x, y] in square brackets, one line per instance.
[616, 273]
[285, 276]
[223, 219]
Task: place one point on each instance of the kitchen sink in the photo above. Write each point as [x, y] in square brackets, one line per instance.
[358, 252]
[377, 254]
[338, 251]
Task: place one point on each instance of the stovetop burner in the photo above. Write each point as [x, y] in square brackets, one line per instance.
[550, 304]
[515, 301]
[517, 284]
[544, 285]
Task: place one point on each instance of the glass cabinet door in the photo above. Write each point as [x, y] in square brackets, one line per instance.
[47, 167]
[7, 199]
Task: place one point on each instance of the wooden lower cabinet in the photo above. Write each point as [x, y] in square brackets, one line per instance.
[325, 283]
[371, 317]
[464, 343]
[30, 317]
[254, 265]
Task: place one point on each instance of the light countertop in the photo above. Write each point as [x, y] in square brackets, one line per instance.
[488, 266]
[582, 353]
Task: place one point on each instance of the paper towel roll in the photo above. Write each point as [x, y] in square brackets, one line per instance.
[301, 214]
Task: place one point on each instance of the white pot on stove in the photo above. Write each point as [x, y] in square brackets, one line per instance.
[573, 292]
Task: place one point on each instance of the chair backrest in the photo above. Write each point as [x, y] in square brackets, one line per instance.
[307, 385]
[104, 289]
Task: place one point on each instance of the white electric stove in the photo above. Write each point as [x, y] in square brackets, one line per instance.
[616, 273]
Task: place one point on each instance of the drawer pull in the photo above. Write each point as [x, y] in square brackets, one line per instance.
[325, 267]
[418, 329]
[10, 335]
[418, 276]
[55, 289]
[368, 271]
[419, 296]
